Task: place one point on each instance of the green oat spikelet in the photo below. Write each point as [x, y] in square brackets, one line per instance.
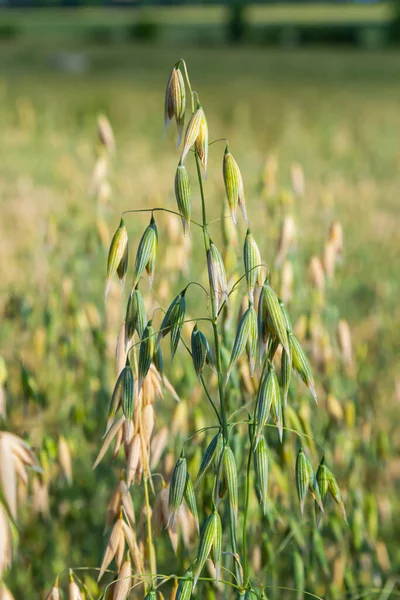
[306, 481]
[175, 101]
[117, 261]
[301, 365]
[146, 353]
[304, 474]
[210, 539]
[146, 253]
[190, 498]
[252, 263]
[327, 484]
[212, 450]
[122, 396]
[135, 318]
[267, 396]
[183, 195]
[173, 321]
[244, 332]
[192, 131]
[185, 587]
[261, 471]
[233, 185]
[272, 319]
[231, 479]
[201, 353]
[178, 484]
[286, 373]
[128, 396]
[217, 275]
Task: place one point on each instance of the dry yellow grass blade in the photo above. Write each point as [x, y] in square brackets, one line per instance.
[113, 547]
[64, 457]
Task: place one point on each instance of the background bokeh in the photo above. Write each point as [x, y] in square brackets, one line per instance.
[286, 87]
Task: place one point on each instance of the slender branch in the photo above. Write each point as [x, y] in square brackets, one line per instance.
[158, 209]
[149, 532]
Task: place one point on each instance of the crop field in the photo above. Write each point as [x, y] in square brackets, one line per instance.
[316, 137]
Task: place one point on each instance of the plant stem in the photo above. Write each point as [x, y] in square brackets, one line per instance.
[214, 322]
[149, 533]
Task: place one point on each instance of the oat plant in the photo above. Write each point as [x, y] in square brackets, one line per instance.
[246, 369]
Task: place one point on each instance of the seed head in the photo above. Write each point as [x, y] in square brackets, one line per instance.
[117, 261]
[146, 253]
[301, 364]
[182, 195]
[197, 133]
[306, 481]
[217, 275]
[124, 581]
[185, 587]
[201, 352]
[173, 321]
[146, 353]
[178, 484]
[267, 397]
[271, 319]
[190, 499]
[327, 483]
[212, 452]
[252, 263]
[246, 336]
[231, 478]
[233, 185]
[175, 101]
[210, 540]
[135, 319]
[261, 471]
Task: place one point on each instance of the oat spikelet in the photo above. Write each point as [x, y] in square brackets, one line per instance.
[175, 101]
[64, 457]
[113, 547]
[124, 581]
[345, 344]
[15, 456]
[105, 133]
[54, 593]
[74, 593]
[117, 262]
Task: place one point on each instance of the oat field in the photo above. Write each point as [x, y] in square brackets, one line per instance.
[316, 136]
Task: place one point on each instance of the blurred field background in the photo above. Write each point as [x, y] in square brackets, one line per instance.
[334, 111]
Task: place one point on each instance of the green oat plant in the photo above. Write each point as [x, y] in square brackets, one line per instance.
[246, 372]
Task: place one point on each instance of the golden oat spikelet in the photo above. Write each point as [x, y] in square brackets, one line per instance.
[175, 101]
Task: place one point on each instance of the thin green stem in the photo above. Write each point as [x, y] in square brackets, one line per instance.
[214, 314]
[158, 209]
[149, 533]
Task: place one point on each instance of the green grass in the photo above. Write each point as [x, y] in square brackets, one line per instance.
[334, 112]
